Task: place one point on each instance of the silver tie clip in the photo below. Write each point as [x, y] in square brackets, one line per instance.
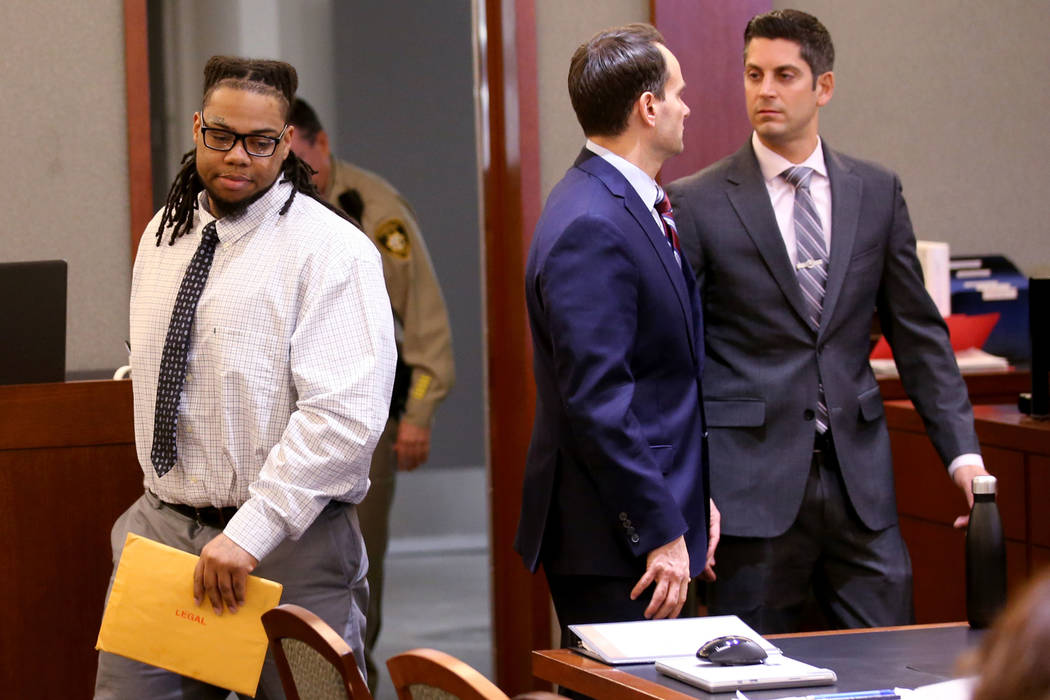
[808, 264]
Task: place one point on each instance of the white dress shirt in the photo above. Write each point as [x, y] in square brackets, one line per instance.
[289, 371]
[644, 185]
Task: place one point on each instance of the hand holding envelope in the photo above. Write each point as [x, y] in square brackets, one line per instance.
[151, 616]
[222, 573]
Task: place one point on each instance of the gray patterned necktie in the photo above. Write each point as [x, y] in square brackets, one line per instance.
[811, 270]
[176, 346]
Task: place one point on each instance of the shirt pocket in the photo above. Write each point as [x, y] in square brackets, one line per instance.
[251, 381]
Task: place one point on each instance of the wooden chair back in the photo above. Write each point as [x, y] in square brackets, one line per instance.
[315, 663]
[428, 674]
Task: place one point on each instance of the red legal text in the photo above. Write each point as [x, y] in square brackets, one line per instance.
[189, 616]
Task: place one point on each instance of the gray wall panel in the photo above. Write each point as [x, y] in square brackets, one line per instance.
[949, 94]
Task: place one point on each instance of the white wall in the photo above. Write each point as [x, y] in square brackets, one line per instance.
[64, 184]
[953, 96]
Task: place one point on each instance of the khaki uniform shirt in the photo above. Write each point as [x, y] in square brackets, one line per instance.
[424, 338]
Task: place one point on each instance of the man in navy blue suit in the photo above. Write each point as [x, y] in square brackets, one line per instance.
[615, 501]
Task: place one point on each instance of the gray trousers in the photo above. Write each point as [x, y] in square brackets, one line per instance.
[323, 571]
[827, 564]
[374, 512]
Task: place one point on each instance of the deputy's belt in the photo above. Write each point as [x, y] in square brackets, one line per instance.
[208, 515]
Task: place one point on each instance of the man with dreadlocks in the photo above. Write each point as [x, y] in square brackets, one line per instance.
[263, 359]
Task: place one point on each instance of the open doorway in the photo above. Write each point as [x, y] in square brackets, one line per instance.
[393, 83]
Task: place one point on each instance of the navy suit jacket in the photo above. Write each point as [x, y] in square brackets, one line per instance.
[615, 468]
[765, 361]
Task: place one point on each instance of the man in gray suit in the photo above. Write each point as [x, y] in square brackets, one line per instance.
[795, 245]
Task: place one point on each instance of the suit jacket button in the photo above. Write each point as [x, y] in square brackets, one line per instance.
[808, 414]
[623, 516]
[627, 524]
[634, 539]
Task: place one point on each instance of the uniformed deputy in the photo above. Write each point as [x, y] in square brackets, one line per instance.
[425, 370]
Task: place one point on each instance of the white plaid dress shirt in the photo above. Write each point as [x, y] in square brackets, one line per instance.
[289, 372]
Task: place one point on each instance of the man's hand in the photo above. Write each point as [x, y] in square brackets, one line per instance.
[412, 446]
[963, 477]
[714, 533]
[668, 567]
[222, 573]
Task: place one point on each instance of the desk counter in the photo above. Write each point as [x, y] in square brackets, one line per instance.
[863, 659]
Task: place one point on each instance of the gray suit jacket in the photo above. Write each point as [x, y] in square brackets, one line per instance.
[765, 361]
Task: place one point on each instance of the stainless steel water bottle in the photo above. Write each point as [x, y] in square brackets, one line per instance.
[985, 556]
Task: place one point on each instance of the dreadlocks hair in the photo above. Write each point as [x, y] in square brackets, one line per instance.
[274, 78]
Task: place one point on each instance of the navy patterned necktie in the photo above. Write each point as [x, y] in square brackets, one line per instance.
[176, 346]
[812, 267]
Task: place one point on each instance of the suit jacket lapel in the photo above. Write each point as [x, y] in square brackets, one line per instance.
[846, 190]
[750, 198]
[619, 187]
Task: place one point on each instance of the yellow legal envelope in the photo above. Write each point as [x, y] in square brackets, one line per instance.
[151, 617]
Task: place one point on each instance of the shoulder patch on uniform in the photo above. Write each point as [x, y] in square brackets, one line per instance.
[393, 239]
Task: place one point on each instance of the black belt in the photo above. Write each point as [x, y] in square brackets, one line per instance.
[822, 442]
[208, 515]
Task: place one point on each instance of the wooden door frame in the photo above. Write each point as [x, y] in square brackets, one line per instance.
[136, 74]
[509, 119]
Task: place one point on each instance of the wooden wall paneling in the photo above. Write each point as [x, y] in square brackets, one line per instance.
[140, 167]
[510, 186]
[1017, 450]
[66, 414]
[707, 37]
[937, 554]
[922, 484]
[938, 558]
[1039, 559]
[68, 468]
[1038, 491]
[1008, 467]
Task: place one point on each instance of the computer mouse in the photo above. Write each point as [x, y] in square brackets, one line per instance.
[732, 650]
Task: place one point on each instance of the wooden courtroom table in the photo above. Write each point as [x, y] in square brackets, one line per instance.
[863, 660]
[1016, 449]
[67, 470]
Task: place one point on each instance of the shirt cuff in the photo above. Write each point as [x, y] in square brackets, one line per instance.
[254, 531]
[962, 460]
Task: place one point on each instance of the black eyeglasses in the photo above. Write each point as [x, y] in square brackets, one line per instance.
[254, 144]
